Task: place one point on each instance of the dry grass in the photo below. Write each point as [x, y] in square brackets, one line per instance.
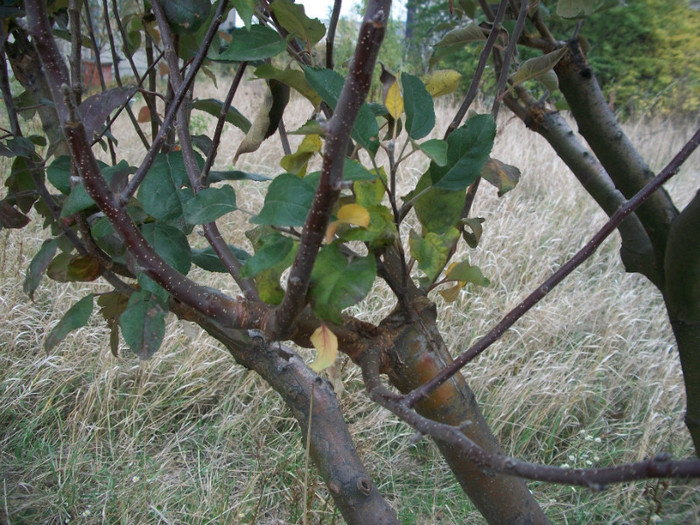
[590, 377]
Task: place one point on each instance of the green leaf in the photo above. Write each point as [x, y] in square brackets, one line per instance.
[287, 202]
[298, 161]
[210, 204]
[21, 186]
[186, 16]
[455, 40]
[165, 189]
[170, 243]
[418, 105]
[38, 266]
[368, 192]
[245, 9]
[432, 251]
[143, 324]
[274, 250]
[466, 272]
[353, 170]
[293, 18]
[468, 147]
[380, 232]
[437, 210]
[248, 45]
[207, 258]
[575, 8]
[219, 176]
[58, 174]
[112, 304]
[472, 237]
[435, 150]
[537, 66]
[291, 77]
[329, 84]
[337, 283]
[550, 80]
[502, 175]
[213, 107]
[268, 281]
[73, 268]
[76, 317]
[78, 200]
[17, 147]
[149, 285]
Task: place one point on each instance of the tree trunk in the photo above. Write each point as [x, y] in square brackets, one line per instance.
[331, 449]
[682, 296]
[418, 353]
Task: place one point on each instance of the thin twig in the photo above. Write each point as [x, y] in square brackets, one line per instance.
[330, 34]
[479, 72]
[509, 54]
[183, 87]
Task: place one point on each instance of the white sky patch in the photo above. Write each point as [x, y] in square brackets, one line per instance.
[322, 8]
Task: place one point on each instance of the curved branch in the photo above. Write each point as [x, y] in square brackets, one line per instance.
[636, 252]
[660, 466]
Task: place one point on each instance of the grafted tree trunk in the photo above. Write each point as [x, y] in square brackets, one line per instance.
[331, 448]
[417, 354]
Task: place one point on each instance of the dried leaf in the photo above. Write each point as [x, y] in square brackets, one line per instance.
[326, 344]
[441, 82]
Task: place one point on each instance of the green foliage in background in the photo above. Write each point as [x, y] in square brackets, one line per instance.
[646, 54]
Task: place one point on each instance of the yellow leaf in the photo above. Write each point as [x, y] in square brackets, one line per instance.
[326, 344]
[353, 214]
[450, 294]
[394, 101]
[330, 231]
[441, 82]
[298, 161]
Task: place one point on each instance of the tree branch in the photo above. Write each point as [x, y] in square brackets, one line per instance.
[337, 138]
[660, 466]
[239, 314]
[602, 131]
[636, 252]
[331, 446]
[531, 300]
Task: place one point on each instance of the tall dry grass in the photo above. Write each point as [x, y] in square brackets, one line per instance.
[589, 377]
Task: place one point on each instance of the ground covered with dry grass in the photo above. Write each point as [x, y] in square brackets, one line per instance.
[589, 377]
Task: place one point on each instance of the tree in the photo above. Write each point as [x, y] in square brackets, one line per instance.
[335, 231]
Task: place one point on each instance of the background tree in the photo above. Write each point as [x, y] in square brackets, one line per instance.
[334, 231]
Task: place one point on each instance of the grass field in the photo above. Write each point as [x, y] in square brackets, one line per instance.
[589, 377]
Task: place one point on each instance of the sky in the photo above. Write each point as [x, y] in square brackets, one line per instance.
[322, 8]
